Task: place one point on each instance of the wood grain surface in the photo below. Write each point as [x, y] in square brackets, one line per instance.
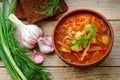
[107, 70]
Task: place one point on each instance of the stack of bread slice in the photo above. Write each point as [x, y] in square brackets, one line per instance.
[25, 9]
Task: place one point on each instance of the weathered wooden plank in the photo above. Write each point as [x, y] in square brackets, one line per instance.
[72, 73]
[109, 8]
[52, 60]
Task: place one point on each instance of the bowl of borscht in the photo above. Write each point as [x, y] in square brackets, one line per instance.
[83, 38]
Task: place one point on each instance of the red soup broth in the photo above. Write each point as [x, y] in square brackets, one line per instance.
[77, 22]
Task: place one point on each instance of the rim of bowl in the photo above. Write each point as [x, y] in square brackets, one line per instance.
[91, 12]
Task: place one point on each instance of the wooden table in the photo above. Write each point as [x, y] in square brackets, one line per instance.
[107, 70]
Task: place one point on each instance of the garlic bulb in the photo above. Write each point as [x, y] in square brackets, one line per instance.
[30, 33]
[45, 44]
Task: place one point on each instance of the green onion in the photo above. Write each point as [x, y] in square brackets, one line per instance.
[7, 63]
[4, 41]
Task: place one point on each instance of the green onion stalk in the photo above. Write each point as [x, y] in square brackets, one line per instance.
[13, 54]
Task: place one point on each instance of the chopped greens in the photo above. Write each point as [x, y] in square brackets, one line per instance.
[75, 41]
[50, 8]
[91, 31]
[88, 28]
[83, 42]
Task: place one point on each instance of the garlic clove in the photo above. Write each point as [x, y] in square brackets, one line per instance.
[45, 49]
[47, 41]
[45, 45]
[38, 59]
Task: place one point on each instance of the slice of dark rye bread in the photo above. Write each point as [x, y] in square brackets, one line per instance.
[19, 12]
[25, 10]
